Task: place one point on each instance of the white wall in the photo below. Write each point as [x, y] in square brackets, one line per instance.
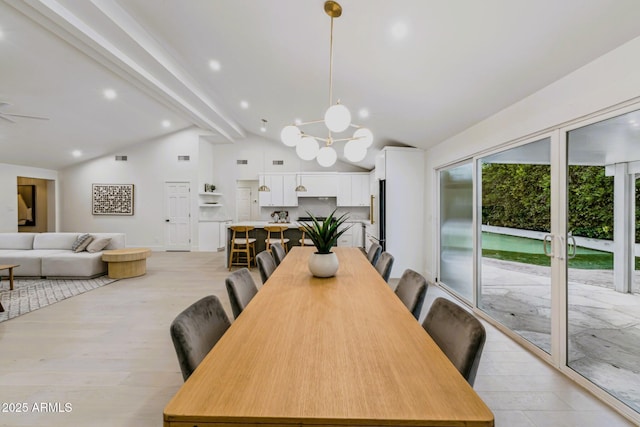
[149, 166]
[8, 187]
[153, 163]
[606, 82]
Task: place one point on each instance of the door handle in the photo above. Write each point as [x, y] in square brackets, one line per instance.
[548, 238]
[371, 208]
[167, 220]
[571, 243]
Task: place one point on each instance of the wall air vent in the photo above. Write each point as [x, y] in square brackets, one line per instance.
[278, 162]
[121, 158]
[183, 158]
[242, 162]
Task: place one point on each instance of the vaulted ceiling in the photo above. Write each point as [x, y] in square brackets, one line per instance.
[457, 63]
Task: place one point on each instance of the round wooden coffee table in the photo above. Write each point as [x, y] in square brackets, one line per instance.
[126, 262]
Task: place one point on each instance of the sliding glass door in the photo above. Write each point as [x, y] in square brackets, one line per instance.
[603, 297]
[515, 216]
[456, 229]
[551, 239]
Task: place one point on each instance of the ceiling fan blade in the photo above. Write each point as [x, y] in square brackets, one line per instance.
[25, 116]
[6, 118]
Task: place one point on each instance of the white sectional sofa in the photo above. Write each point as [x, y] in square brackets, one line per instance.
[50, 254]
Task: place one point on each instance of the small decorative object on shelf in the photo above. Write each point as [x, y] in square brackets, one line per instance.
[324, 235]
[209, 188]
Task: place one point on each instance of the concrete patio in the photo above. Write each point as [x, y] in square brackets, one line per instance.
[604, 325]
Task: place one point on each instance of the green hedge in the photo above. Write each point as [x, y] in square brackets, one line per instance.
[519, 196]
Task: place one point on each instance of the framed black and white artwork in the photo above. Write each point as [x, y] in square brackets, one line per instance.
[112, 199]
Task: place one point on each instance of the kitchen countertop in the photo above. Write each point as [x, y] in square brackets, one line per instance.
[262, 224]
[292, 224]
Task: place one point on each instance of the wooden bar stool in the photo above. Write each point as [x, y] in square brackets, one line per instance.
[276, 229]
[303, 241]
[243, 246]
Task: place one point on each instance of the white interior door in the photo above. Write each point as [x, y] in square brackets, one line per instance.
[177, 216]
[243, 203]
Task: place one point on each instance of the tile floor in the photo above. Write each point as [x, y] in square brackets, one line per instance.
[108, 354]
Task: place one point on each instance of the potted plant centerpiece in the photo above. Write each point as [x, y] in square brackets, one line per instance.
[324, 235]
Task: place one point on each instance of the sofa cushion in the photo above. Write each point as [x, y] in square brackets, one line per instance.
[81, 242]
[29, 261]
[54, 240]
[98, 244]
[17, 240]
[117, 239]
[71, 264]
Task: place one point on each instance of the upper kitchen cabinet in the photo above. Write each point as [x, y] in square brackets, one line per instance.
[353, 189]
[319, 185]
[282, 192]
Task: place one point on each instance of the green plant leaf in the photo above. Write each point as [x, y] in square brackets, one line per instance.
[325, 234]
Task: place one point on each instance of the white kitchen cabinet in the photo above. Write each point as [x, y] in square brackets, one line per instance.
[289, 196]
[354, 236]
[347, 237]
[344, 190]
[357, 233]
[360, 189]
[320, 185]
[282, 188]
[208, 236]
[353, 189]
[403, 202]
[212, 235]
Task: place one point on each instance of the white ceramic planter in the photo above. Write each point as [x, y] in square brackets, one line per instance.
[323, 265]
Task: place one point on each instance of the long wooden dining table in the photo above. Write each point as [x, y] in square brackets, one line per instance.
[326, 352]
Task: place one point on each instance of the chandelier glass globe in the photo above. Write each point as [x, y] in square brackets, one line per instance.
[364, 136]
[290, 135]
[355, 151]
[327, 156]
[307, 148]
[337, 118]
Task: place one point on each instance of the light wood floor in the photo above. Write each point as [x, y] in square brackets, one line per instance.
[109, 355]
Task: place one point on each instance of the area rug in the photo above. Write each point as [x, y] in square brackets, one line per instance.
[31, 294]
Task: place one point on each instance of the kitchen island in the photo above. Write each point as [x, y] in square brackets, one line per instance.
[293, 234]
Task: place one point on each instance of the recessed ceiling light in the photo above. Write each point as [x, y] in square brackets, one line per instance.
[244, 105]
[110, 94]
[399, 30]
[76, 153]
[166, 123]
[214, 64]
[363, 113]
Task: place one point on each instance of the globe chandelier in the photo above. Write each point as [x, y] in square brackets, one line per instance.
[337, 119]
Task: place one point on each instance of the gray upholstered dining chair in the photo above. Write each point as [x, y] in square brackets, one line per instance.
[196, 330]
[374, 253]
[458, 333]
[278, 252]
[266, 265]
[384, 265]
[241, 289]
[411, 290]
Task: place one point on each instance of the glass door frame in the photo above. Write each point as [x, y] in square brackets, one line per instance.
[473, 303]
[556, 262]
[559, 230]
[560, 356]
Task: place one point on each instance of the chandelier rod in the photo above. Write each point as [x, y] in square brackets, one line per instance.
[331, 65]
